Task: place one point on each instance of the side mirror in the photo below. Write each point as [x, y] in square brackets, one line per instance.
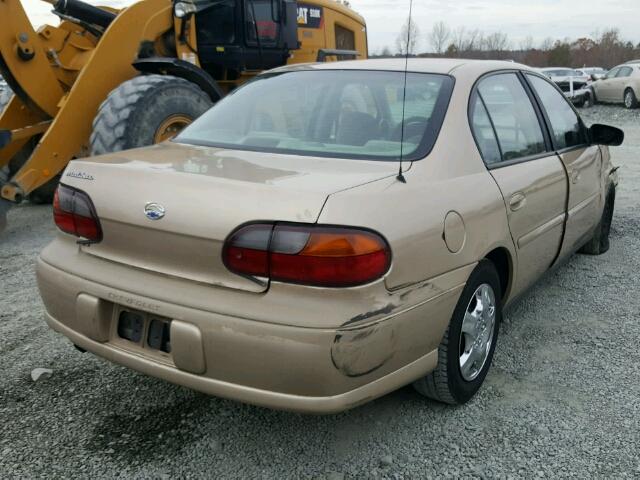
[606, 135]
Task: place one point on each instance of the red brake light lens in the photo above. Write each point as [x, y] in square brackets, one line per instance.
[74, 213]
[308, 254]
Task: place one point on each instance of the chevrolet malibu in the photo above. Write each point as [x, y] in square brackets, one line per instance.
[330, 233]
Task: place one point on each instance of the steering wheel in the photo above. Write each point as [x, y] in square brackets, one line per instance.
[413, 127]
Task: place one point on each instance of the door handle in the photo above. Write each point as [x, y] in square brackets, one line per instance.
[517, 201]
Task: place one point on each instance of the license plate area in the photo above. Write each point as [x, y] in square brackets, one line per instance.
[144, 330]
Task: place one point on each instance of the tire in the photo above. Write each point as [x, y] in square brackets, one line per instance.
[599, 243]
[133, 112]
[593, 99]
[447, 383]
[630, 100]
[589, 100]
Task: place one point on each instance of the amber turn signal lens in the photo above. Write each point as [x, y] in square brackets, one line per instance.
[314, 255]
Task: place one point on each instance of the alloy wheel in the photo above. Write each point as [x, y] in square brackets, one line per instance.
[476, 335]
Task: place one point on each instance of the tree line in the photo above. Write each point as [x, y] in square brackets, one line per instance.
[606, 49]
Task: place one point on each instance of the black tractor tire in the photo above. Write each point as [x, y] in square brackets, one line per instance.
[630, 99]
[600, 243]
[446, 383]
[133, 112]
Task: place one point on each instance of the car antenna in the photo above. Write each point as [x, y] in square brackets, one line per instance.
[400, 176]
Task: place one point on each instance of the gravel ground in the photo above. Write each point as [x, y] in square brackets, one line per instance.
[560, 401]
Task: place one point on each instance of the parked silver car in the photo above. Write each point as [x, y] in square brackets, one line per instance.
[620, 85]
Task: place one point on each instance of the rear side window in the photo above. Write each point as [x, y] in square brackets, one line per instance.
[484, 133]
[514, 119]
[566, 129]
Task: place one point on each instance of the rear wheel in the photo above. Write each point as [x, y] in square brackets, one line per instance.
[146, 110]
[466, 351]
[630, 100]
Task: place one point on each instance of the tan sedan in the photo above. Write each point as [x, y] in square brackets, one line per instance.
[312, 243]
[620, 85]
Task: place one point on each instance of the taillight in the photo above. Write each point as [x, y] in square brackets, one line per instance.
[74, 213]
[308, 254]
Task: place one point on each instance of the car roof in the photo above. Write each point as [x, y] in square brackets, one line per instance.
[449, 66]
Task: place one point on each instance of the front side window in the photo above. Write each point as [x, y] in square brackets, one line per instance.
[331, 113]
[612, 73]
[515, 121]
[624, 72]
[567, 130]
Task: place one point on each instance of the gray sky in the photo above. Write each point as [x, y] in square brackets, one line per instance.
[518, 19]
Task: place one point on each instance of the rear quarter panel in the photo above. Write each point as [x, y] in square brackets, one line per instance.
[453, 178]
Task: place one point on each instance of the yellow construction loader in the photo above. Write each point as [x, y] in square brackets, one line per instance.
[105, 80]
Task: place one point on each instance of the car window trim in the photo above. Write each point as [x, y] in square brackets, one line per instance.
[476, 94]
[549, 150]
[558, 151]
[516, 161]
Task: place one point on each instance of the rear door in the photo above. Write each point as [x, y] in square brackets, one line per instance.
[508, 129]
[582, 161]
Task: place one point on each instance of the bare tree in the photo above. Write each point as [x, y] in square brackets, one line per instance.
[496, 42]
[439, 36]
[475, 39]
[547, 44]
[386, 52]
[459, 40]
[408, 38]
[527, 44]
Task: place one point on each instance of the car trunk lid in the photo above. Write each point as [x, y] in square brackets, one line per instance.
[205, 193]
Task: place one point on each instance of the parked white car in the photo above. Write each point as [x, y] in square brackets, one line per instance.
[573, 84]
[594, 73]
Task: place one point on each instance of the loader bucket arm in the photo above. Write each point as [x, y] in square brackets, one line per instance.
[24, 63]
[108, 66]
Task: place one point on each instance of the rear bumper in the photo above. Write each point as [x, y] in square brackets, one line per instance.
[313, 370]
[242, 393]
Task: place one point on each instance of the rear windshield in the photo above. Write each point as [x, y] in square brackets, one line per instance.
[330, 113]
